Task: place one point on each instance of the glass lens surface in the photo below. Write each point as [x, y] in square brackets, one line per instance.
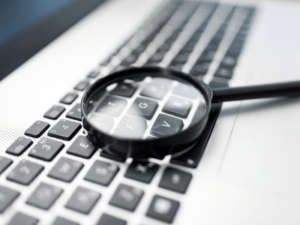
[146, 107]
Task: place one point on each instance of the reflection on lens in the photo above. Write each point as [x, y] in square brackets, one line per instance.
[146, 108]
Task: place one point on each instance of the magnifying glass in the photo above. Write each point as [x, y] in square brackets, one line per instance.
[153, 112]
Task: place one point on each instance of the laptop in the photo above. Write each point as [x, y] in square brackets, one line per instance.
[243, 170]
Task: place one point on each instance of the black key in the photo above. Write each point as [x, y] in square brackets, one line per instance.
[166, 125]
[4, 163]
[7, 197]
[142, 171]
[64, 129]
[46, 149]
[155, 90]
[23, 219]
[37, 129]
[65, 169]
[175, 180]
[110, 220]
[125, 90]
[83, 200]
[224, 73]
[178, 107]
[75, 113]
[69, 98]
[112, 106]
[25, 172]
[144, 108]
[185, 91]
[229, 62]
[103, 123]
[112, 156]
[102, 173]
[44, 196]
[62, 221]
[127, 197]
[19, 146]
[93, 74]
[131, 127]
[54, 112]
[163, 209]
[81, 86]
[82, 147]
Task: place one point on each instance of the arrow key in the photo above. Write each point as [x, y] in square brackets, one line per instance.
[166, 125]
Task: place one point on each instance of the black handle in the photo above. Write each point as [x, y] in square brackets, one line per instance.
[258, 91]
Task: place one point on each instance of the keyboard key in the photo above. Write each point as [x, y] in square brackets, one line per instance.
[178, 107]
[65, 169]
[185, 91]
[23, 219]
[4, 163]
[156, 57]
[81, 86]
[110, 220]
[129, 60]
[7, 197]
[62, 221]
[37, 129]
[19, 146]
[69, 98]
[154, 90]
[175, 180]
[64, 129]
[83, 200]
[131, 127]
[125, 90]
[166, 125]
[142, 171]
[93, 74]
[112, 156]
[25, 172]
[46, 149]
[102, 173]
[163, 209]
[101, 122]
[82, 147]
[144, 108]
[44, 196]
[54, 112]
[75, 113]
[112, 106]
[200, 69]
[127, 197]
[229, 62]
[224, 73]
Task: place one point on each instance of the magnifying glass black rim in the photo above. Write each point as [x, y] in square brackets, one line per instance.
[186, 137]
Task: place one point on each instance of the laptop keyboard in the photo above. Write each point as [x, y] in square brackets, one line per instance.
[204, 39]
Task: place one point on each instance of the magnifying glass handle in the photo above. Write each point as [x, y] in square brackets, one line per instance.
[257, 91]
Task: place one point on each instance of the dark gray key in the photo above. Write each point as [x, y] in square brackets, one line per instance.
[44, 196]
[7, 197]
[112, 106]
[46, 149]
[81, 86]
[142, 171]
[93, 74]
[37, 129]
[4, 163]
[65, 169]
[125, 90]
[175, 180]
[25, 172]
[224, 73]
[110, 220]
[82, 147]
[54, 112]
[64, 129]
[62, 221]
[163, 209]
[103, 123]
[102, 173]
[69, 98]
[155, 90]
[178, 107]
[23, 219]
[127, 197]
[166, 125]
[144, 108]
[229, 61]
[131, 127]
[75, 113]
[19, 146]
[185, 91]
[83, 200]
